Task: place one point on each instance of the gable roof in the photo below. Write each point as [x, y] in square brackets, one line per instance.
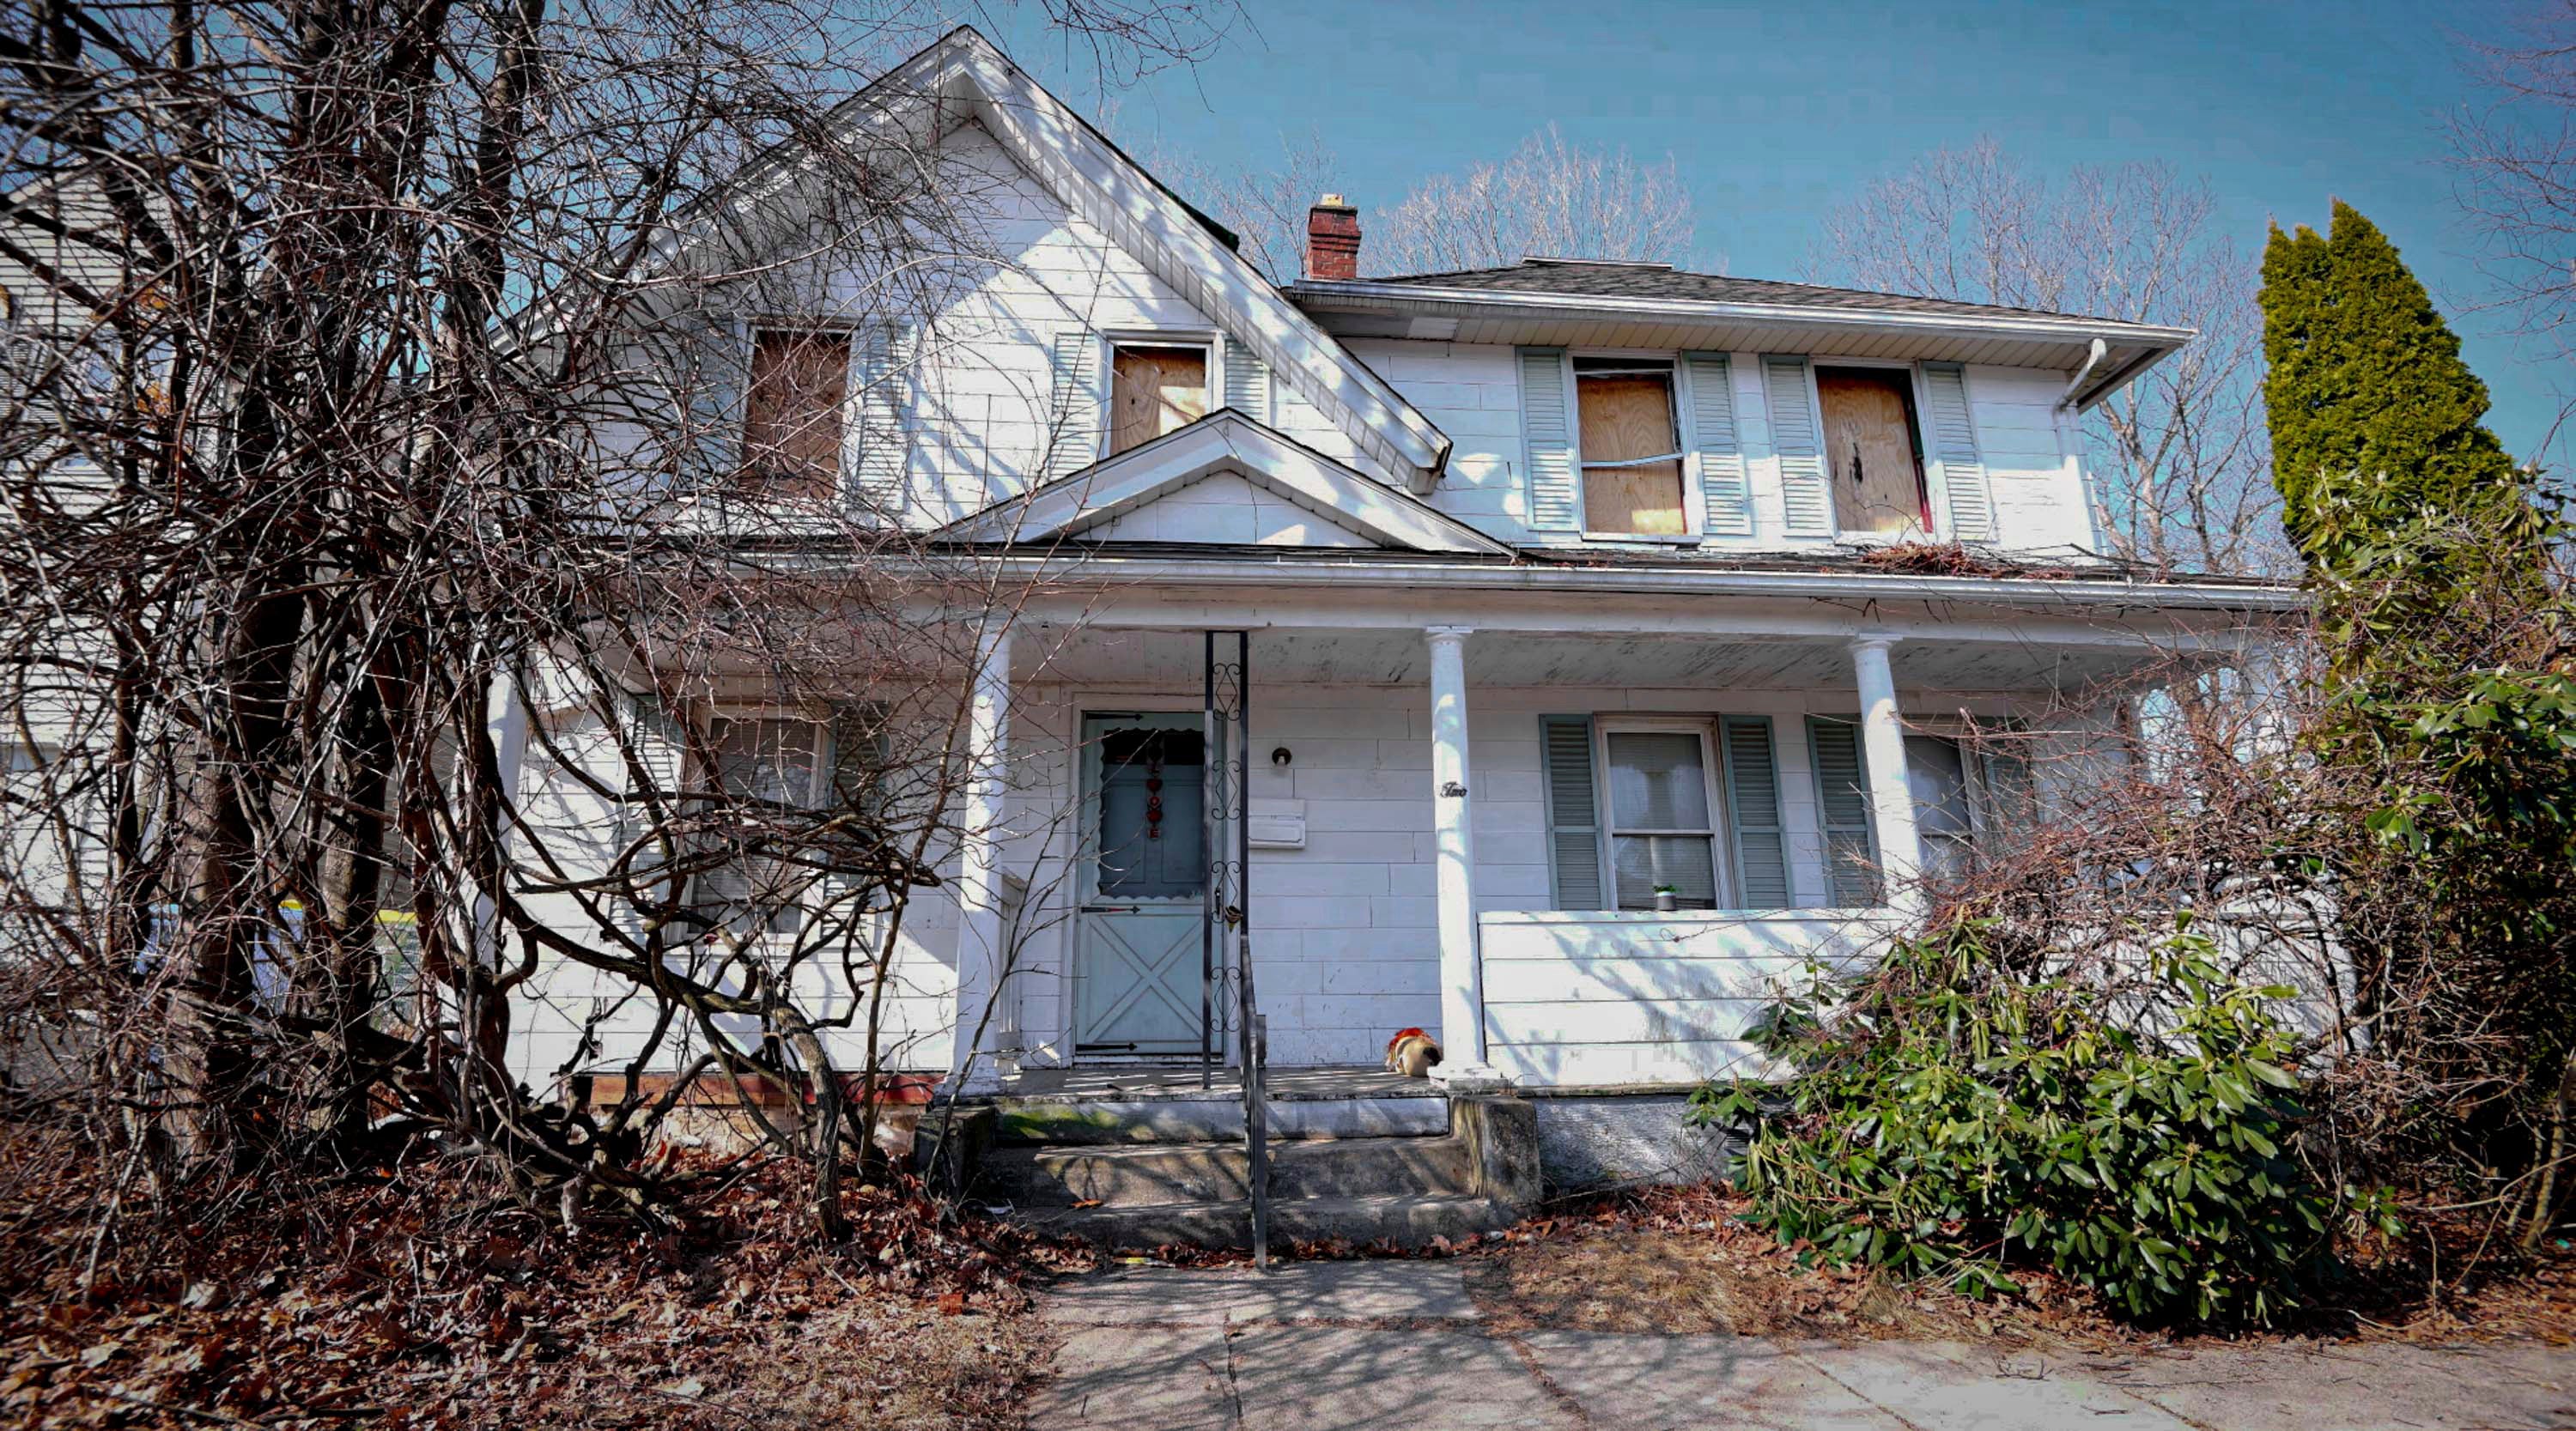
[1223, 441]
[962, 77]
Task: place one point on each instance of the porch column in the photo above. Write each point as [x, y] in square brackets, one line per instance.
[1462, 984]
[1891, 793]
[980, 935]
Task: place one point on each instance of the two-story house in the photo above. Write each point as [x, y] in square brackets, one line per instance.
[1550, 623]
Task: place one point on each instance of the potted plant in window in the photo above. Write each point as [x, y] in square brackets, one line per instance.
[1667, 899]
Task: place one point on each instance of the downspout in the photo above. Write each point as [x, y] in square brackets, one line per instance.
[2092, 359]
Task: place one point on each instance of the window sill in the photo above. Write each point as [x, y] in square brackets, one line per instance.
[1684, 916]
[1650, 539]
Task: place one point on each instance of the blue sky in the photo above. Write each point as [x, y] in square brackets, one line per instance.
[1775, 112]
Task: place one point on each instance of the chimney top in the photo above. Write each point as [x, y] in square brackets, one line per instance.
[1333, 239]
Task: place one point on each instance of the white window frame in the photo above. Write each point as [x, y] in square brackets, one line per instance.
[1207, 340]
[1721, 866]
[1694, 508]
[1936, 489]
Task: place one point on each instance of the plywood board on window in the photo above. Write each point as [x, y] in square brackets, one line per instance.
[1154, 390]
[793, 412]
[1871, 450]
[1627, 420]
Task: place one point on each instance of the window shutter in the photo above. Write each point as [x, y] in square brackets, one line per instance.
[1805, 498]
[1078, 414]
[1954, 446]
[1723, 490]
[878, 463]
[1247, 381]
[1753, 796]
[1843, 806]
[1548, 430]
[1573, 815]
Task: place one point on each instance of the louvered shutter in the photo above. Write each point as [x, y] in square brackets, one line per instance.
[880, 444]
[1843, 807]
[1954, 446]
[1547, 430]
[1806, 498]
[1723, 490]
[1077, 415]
[1753, 811]
[1247, 381]
[1573, 815]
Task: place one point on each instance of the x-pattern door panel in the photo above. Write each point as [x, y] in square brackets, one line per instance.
[1139, 966]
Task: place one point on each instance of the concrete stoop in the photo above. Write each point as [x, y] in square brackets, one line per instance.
[1112, 1185]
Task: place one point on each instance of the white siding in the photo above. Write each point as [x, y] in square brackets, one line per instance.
[1471, 391]
[1224, 507]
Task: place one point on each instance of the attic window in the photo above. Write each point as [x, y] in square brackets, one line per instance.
[1874, 445]
[1154, 389]
[791, 434]
[1632, 449]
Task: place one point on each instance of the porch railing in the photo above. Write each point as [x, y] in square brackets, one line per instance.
[1226, 810]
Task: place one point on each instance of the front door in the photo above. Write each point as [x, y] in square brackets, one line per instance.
[1140, 977]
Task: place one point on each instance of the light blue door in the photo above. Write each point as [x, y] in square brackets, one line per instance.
[1139, 975]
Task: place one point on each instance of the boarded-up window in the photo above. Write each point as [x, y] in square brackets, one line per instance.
[1875, 449]
[792, 419]
[1632, 450]
[1154, 390]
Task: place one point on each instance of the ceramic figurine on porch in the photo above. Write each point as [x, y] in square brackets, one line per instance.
[1412, 1053]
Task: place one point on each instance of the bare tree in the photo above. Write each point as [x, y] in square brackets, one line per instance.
[401, 464]
[2514, 158]
[1550, 196]
[2183, 451]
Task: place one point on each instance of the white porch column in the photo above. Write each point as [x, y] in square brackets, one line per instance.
[980, 934]
[1891, 793]
[1462, 983]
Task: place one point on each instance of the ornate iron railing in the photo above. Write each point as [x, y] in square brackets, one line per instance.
[1225, 950]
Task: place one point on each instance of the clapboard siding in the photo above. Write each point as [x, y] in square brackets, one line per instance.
[1585, 998]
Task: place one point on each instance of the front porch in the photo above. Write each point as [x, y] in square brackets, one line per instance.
[1419, 857]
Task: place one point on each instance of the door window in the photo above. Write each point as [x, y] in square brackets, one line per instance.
[1152, 844]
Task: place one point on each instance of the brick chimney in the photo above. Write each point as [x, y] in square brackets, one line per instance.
[1332, 239]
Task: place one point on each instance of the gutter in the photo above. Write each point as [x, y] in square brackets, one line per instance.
[1860, 586]
[2000, 325]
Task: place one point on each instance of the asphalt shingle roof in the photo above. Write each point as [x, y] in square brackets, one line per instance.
[1590, 279]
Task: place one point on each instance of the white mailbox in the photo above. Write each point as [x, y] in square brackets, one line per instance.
[1277, 825]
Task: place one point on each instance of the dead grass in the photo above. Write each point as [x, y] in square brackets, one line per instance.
[1680, 1260]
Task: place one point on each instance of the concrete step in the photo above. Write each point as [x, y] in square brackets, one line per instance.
[1056, 1121]
[1408, 1221]
[1150, 1174]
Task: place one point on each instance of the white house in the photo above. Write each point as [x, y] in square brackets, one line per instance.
[1557, 586]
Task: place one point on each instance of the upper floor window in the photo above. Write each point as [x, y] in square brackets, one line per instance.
[1154, 388]
[1631, 447]
[792, 418]
[1874, 450]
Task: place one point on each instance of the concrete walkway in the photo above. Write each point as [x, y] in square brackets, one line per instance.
[1399, 1346]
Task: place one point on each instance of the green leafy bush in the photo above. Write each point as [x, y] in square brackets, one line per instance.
[1951, 1117]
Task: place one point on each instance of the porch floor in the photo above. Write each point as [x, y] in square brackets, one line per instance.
[1180, 1084]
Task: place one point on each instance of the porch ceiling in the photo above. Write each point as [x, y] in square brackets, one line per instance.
[1171, 660]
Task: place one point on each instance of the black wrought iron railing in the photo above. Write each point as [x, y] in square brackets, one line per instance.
[1226, 940]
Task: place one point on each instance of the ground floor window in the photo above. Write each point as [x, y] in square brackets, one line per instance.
[1685, 807]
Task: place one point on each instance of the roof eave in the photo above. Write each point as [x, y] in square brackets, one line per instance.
[2147, 343]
